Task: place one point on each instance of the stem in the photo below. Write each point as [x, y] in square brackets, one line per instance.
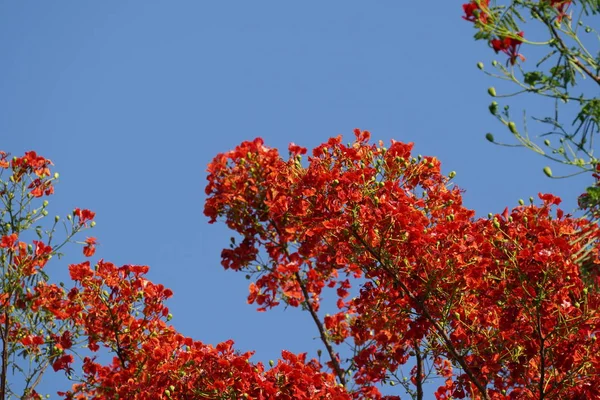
[4, 335]
[419, 377]
[565, 50]
[336, 365]
[447, 341]
[542, 356]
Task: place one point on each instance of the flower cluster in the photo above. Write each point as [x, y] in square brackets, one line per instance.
[485, 18]
[115, 311]
[496, 304]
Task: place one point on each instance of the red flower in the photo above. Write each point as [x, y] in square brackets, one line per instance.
[9, 241]
[63, 362]
[84, 215]
[509, 46]
[474, 12]
[40, 187]
[560, 6]
[90, 249]
[295, 149]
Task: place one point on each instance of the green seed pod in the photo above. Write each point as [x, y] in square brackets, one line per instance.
[489, 137]
[271, 363]
[521, 202]
[531, 200]
[492, 91]
[513, 127]
[452, 174]
[494, 63]
[480, 65]
[548, 172]
[493, 107]
[547, 142]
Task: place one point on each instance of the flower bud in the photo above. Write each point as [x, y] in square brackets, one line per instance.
[45, 203]
[492, 91]
[452, 174]
[548, 172]
[547, 142]
[480, 65]
[521, 202]
[56, 175]
[489, 137]
[513, 128]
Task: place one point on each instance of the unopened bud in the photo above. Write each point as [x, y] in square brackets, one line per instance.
[452, 174]
[489, 137]
[480, 65]
[548, 172]
[513, 127]
[492, 91]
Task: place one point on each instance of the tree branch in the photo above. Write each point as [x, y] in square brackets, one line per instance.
[336, 365]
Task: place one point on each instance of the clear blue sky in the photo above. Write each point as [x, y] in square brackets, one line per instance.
[132, 99]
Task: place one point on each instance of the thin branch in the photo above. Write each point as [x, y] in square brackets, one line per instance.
[419, 377]
[564, 49]
[336, 365]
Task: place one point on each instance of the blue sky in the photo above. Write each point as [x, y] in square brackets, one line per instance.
[131, 100]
